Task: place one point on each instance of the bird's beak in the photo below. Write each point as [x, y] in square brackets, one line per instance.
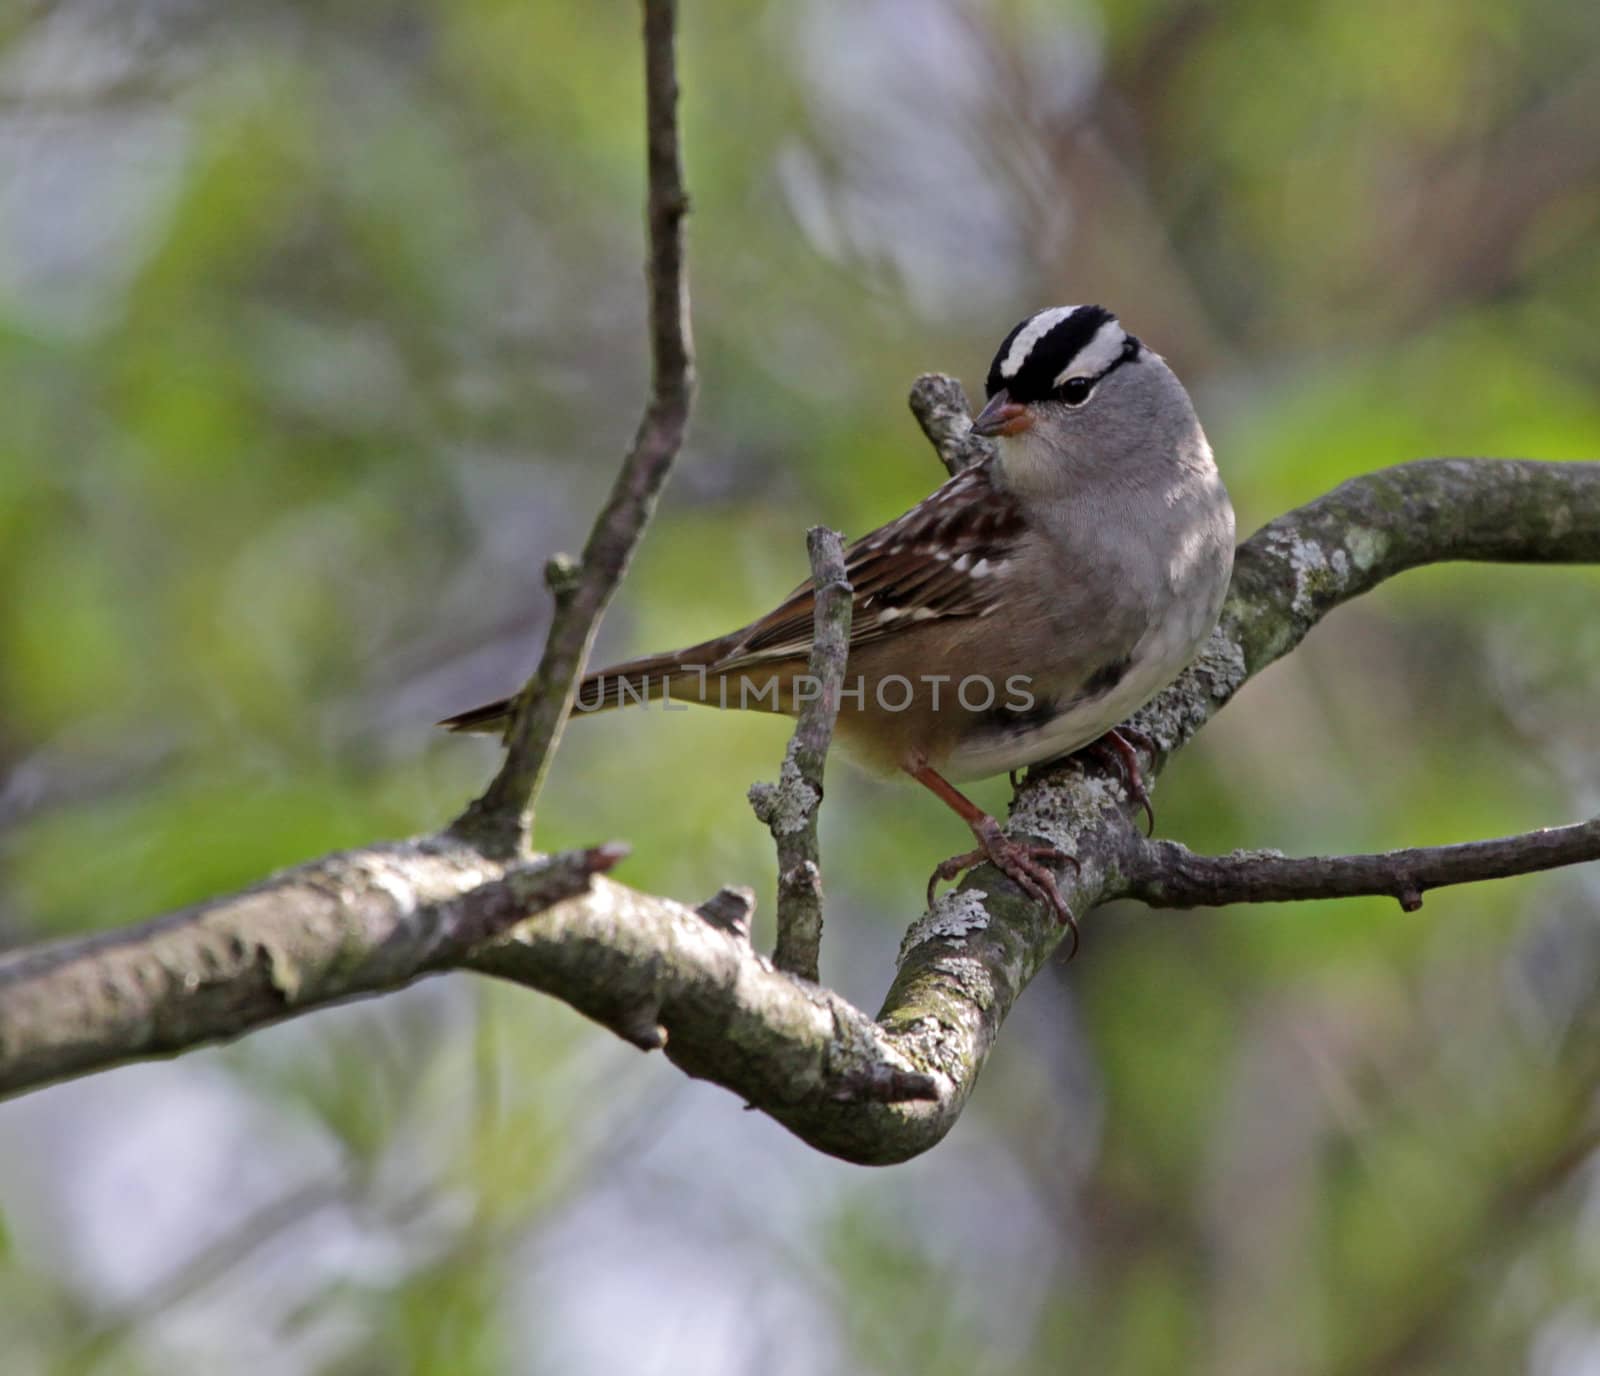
[1002, 416]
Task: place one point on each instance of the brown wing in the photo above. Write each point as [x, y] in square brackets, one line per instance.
[938, 560]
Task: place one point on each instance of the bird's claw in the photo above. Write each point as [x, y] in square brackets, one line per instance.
[1019, 861]
[1119, 742]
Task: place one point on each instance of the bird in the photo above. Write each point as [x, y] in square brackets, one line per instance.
[1019, 612]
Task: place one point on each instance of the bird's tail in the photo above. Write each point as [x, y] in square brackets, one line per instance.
[634, 681]
[490, 718]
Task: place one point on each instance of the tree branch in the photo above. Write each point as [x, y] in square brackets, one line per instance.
[1296, 569]
[357, 922]
[500, 819]
[663, 974]
[1165, 874]
[790, 808]
[939, 403]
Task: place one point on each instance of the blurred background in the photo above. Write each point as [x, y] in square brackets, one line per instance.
[321, 329]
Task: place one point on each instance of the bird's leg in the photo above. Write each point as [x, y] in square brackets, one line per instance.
[1142, 739]
[1018, 860]
[1118, 743]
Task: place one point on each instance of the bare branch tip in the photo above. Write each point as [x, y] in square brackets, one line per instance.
[643, 1030]
[939, 404]
[937, 389]
[562, 575]
[603, 858]
[730, 910]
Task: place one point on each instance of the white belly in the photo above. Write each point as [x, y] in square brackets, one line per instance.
[1157, 660]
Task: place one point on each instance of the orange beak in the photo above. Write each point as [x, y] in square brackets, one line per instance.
[1002, 416]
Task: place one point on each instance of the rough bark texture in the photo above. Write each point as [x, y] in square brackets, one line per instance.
[873, 1090]
[939, 403]
[357, 922]
[790, 808]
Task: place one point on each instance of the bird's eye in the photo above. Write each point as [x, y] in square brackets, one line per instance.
[1075, 390]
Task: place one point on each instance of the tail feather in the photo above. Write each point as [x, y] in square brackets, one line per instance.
[634, 681]
[490, 718]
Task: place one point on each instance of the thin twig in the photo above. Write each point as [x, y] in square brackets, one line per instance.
[501, 818]
[1165, 874]
[940, 406]
[789, 808]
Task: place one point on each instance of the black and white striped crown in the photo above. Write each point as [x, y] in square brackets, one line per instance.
[1051, 346]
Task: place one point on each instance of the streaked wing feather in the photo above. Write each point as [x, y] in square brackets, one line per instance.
[919, 566]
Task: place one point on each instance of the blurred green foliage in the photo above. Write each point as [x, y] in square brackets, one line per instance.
[321, 328]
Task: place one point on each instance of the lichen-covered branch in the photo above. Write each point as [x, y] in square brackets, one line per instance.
[1296, 569]
[501, 817]
[662, 974]
[939, 403]
[1165, 874]
[358, 922]
[789, 808]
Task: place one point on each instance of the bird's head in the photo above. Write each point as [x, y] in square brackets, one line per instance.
[1069, 387]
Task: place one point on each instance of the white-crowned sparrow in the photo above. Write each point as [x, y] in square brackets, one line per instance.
[1017, 613]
